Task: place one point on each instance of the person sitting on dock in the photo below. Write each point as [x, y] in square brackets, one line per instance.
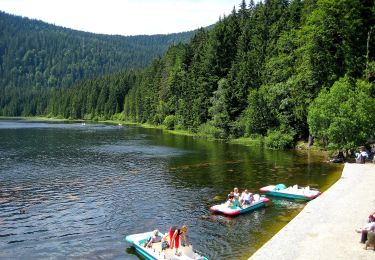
[365, 229]
[371, 217]
[246, 198]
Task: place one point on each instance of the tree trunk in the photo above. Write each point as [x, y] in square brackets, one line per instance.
[310, 142]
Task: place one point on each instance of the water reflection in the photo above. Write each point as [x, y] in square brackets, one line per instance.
[68, 190]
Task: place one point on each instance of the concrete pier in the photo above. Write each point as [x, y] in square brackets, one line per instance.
[325, 228]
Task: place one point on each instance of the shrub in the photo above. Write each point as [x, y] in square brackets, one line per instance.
[118, 117]
[209, 130]
[276, 139]
[169, 122]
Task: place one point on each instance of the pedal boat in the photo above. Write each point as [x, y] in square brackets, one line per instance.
[258, 202]
[295, 192]
[155, 252]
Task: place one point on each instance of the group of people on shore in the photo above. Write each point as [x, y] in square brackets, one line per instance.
[364, 154]
[361, 156]
[171, 239]
[235, 199]
[368, 232]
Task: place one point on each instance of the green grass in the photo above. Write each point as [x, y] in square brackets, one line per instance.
[248, 141]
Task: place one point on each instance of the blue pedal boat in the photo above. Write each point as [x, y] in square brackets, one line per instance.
[295, 192]
[233, 211]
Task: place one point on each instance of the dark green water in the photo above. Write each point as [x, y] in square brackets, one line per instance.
[69, 190]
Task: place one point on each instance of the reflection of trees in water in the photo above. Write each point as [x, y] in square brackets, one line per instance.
[221, 166]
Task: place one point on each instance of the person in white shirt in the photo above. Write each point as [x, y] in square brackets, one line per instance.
[365, 229]
[246, 198]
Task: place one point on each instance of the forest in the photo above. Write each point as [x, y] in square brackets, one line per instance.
[278, 70]
[37, 58]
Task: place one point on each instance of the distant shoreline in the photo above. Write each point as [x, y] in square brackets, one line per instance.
[246, 141]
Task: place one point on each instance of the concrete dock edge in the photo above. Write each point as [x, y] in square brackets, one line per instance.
[324, 229]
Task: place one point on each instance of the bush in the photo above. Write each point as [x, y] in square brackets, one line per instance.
[343, 116]
[169, 122]
[88, 116]
[118, 117]
[209, 130]
[276, 139]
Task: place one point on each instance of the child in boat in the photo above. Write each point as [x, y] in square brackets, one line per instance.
[236, 193]
[165, 243]
[246, 198]
[233, 203]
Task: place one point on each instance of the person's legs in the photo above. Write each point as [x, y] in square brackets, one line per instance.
[363, 236]
[170, 231]
[177, 243]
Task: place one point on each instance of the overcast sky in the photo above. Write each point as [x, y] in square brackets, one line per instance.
[124, 17]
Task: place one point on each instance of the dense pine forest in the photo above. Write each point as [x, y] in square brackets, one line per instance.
[36, 57]
[278, 70]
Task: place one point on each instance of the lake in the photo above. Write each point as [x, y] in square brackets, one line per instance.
[73, 190]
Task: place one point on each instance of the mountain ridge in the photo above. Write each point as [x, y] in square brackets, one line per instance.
[34, 53]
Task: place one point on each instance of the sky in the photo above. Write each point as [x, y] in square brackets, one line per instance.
[124, 17]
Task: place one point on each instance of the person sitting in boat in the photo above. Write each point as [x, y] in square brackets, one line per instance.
[175, 237]
[165, 241]
[246, 198]
[233, 203]
[230, 195]
[156, 238]
[236, 193]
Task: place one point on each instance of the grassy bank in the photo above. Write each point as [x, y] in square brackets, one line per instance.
[247, 141]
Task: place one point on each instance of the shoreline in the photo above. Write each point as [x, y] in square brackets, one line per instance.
[324, 229]
[245, 141]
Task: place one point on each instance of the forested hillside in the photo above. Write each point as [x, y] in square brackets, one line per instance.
[257, 72]
[35, 55]
[280, 70]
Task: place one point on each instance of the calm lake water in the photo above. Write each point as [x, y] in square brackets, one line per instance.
[69, 190]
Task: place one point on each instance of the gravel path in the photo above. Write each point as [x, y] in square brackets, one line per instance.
[324, 229]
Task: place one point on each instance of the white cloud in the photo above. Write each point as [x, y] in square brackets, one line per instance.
[125, 17]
